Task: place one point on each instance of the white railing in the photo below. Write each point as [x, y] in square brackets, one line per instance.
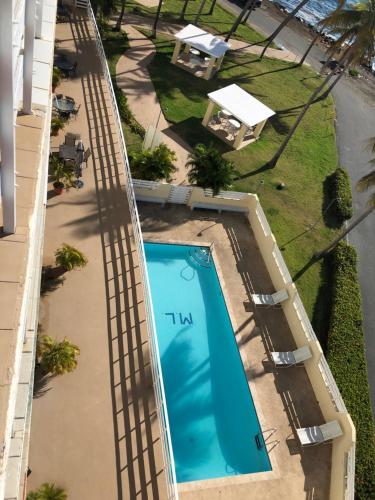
[302, 314]
[281, 263]
[350, 474]
[226, 195]
[331, 385]
[139, 183]
[161, 406]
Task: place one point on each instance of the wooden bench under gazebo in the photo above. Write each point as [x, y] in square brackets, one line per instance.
[202, 53]
[240, 118]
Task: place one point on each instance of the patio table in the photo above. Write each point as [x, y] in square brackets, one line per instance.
[64, 65]
[67, 152]
[64, 105]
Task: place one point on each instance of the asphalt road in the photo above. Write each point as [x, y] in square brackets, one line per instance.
[355, 109]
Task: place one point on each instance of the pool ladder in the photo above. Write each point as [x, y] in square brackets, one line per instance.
[259, 440]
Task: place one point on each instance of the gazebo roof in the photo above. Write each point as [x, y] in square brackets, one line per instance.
[242, 105]
[201, 40]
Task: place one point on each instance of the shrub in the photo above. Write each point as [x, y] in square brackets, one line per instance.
[353, 72]
[342, 194]
[56, 77]
[125, 113]
[48, 491]
[56, 125]
[346, 357]
[153, 165]
[55, 357]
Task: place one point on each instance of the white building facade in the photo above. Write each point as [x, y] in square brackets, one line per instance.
[27, 32]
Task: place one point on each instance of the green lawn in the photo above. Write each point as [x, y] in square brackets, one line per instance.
[219, 22]
[306, 163]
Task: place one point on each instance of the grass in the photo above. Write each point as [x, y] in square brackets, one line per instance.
[310, 157]
[219, 22]
[115, 43]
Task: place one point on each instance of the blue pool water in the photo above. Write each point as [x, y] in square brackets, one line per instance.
[212, 417]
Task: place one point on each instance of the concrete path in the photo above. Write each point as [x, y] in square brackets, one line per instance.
[134, 79]
[355, 108]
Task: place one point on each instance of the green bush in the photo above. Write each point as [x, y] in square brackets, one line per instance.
[341, 194]
[153, 165]
[346, 358]
[125, 113]
[353, 72]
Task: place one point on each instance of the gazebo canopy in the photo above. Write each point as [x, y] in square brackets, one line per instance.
[241, 105]
[201, 40]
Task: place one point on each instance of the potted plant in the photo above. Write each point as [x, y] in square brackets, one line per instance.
[56, 357]
[62, 174]
[56, 125]
[68, 258]
[56, 78]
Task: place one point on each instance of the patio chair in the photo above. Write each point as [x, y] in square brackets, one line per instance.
[73, 71]
[291, 358]
[58, 96]
[270, 300]
[319, 434]
[75, 111]
[86, 155]
[69, 98]
[70, 139]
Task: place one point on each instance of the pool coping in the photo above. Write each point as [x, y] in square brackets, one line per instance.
[274, 473]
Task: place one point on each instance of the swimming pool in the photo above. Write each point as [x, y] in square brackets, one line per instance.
[213, 422]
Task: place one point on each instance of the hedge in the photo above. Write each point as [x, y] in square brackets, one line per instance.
[346, 358]
[341, 194]
[126, 114]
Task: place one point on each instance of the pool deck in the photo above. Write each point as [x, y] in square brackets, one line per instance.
[284, 398]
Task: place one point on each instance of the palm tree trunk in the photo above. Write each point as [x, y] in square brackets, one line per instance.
[237, 22]
[251, 9]
[182, 14]
[303, 58]
[210, 12]
[196, 20]
[333, 84]
[153, 34]
[119, 20]
[271, 38]
[272, 163]
[351, 226]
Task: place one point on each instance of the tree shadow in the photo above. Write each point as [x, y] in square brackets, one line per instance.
[193, 132]
[305, 268]
[322, 307]
[328, 208]
[41, 381]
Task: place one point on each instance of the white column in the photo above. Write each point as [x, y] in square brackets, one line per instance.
[7, 126]
[258, 129]
[176, 52]
[39, 18]
[209, 113]
[28, 54]
[210, 68]
[239, 137]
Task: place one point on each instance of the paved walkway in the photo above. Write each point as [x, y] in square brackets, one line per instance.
[95, 431]
[134, 79]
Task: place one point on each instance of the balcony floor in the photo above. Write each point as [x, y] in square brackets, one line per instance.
[95, 431]
[284, 398]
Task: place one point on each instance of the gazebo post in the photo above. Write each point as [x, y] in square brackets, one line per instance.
[176, 51]
[239, 137]
[187, 48]
[258, 129]
[209, 113]
[210, 68]
[219, 62]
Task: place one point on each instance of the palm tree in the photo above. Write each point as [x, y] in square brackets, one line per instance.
[354, 23]
[281, 26]
[209, 170]
[157, 15]
[55, 357]
[198, 15]
[120, 17]
[48, 491]
[248, 5]
[68, 258]
[183, 11]
[363, 184]
[251, 9]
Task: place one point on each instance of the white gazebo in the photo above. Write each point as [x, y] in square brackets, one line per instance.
[240, 119]
[196, 42]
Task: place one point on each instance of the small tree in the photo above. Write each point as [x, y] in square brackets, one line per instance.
[68, 258]
[153, 165]
[48, 491]
[209, 170]
[55, 357]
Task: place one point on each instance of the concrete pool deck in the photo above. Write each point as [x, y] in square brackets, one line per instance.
[283, 398]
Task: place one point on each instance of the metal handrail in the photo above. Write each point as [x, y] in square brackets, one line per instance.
[302, 314]
[161, 405]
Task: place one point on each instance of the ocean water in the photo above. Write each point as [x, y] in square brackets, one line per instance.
[214, 427]
[313, 11]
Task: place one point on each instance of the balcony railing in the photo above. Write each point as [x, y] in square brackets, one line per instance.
[157, 376]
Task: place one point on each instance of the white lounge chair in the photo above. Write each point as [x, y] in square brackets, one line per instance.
[270, 300]
[290, 358]
[319, 434]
